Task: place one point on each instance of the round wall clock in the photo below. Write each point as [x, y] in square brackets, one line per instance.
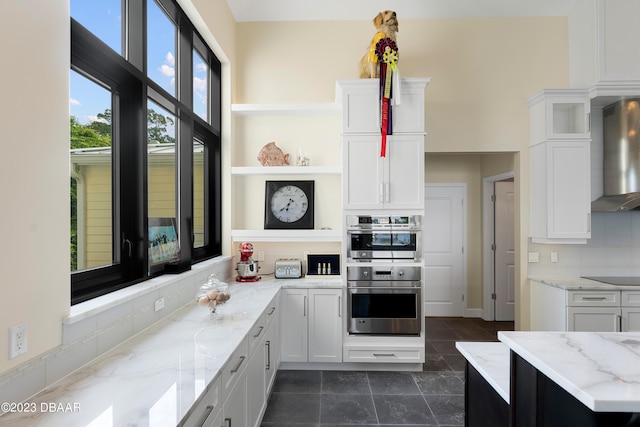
[288, 205]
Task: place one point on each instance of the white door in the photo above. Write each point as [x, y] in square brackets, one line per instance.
[505, 275]
[443, 249]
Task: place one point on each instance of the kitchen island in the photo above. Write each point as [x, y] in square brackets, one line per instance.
[187, 368]
[581, 379]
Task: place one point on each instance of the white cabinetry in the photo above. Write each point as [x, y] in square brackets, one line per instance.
[207, 411]
[311, 325]
[238, 395]
[604, 43]
[369, 180]
[374, 182]
[556, 309]
[560, 159]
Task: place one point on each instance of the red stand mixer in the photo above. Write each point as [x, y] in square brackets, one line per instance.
[247, 268]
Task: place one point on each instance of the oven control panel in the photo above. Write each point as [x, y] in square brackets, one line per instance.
[374, 273]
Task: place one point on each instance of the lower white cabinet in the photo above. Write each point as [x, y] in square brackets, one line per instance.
[238, 395]
[311, 325]
[234, 409]
[557, 309]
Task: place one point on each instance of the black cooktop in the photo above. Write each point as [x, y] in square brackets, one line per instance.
[617, 280]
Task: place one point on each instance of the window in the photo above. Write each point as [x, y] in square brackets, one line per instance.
[145, 142]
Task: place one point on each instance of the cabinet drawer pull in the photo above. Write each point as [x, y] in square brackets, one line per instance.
[271, 312]
[259, 332]
[384, 354]
[594, 298]
[234, 370]
[268, 345]
[207, 411]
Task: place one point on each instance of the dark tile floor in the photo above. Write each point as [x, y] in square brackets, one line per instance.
[433, 397]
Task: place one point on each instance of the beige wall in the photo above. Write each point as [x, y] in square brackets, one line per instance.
[482, 71]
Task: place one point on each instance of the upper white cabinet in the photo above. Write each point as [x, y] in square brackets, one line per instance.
[604, 43]
[374, 182]
[560, 156]
[559, 114]
[361, 114]
[371, 181]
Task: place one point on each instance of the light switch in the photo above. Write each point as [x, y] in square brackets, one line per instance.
[554, 256]
[534, 257]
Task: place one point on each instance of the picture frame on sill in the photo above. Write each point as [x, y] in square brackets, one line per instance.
[163, 245]
[289, 205]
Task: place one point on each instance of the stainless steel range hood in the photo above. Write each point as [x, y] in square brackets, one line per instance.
[621, 137]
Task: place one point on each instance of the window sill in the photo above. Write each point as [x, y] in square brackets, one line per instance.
[103, 303]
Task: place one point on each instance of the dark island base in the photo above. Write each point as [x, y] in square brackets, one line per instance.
[537, 401]
[484, 407]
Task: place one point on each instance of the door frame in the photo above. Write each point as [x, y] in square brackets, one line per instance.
[488, 214]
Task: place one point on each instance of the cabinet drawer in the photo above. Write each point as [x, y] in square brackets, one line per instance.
[205, 408]
[257, 332]
[383, 355]
[272, 310]
[593, 298]
[631, 298]
[235, 366]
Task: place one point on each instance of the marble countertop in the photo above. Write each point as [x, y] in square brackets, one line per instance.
[601, 370]
[579, 283]
[491, 360]
[155, 377]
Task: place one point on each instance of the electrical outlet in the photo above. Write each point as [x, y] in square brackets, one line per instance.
[17, 340]
[260, 255]
[554, 256]
[159, 304]
[534, 257]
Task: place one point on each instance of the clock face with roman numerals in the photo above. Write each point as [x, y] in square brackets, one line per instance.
[289, 204]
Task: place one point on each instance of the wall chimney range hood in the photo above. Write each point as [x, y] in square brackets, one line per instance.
[621, 137]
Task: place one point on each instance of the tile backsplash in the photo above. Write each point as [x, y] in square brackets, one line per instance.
[613, 250]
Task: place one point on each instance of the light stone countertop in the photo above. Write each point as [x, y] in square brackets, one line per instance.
[155, 377]
[491, 360]
[579, 283]
[600, 369]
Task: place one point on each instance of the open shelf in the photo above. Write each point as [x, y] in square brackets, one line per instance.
[286, 109]
[287, 235]
[286, 170]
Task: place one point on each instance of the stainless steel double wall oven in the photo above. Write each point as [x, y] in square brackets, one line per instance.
[384, 275]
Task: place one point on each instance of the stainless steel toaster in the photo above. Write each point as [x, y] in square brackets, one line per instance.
[288, 269]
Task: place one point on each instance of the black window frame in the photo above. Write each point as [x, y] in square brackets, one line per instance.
[127, 79]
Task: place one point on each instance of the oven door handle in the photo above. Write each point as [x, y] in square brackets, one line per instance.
[386, 289]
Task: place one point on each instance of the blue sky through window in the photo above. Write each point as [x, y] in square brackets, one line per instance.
[104, 19]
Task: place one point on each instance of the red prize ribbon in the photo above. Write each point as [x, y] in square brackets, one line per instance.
[387, 53]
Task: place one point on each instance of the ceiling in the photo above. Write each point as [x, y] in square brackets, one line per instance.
[332, 10]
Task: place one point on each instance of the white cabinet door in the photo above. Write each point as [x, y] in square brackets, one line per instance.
[395, 181]
[363, 172]
[593, 319]
[235, 404]
[294, 322]
[325, 325]
[404, 172]
[272, 352]
[561, 192]
[630, 319]
[604, 41]
[256, 377]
